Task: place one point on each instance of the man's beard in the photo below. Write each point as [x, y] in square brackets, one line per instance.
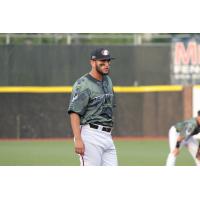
[98, 68]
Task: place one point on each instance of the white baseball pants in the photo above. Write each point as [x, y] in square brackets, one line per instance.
[99, 147]
[192, 146]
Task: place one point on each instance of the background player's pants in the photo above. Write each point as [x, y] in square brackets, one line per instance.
[99, 148]
[192, 146]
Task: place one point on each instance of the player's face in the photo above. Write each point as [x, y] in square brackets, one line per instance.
[103, 66]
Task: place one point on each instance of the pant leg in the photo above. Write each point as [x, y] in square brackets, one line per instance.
[171, 159]
[109, 158]
[192, 146]
[99, 148]
[92, 155]
[93, 151]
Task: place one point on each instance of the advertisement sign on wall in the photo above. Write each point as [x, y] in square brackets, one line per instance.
[185, 67]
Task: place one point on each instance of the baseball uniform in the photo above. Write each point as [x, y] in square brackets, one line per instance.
[184, 129]
[93, 101]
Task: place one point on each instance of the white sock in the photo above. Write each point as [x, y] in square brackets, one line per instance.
[171, 160]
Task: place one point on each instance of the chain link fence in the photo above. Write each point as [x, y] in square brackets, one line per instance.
[87, 38]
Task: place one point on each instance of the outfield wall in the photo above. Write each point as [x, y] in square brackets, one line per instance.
[59, 65]
[41, 112]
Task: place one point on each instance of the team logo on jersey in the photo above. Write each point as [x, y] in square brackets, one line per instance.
[75, 97]
[105, 52]
[101, 98]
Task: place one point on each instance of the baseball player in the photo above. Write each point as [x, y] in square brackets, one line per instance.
[91, 113]
[183, 134]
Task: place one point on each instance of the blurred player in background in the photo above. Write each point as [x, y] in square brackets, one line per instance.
[91, 113]
[183, 134]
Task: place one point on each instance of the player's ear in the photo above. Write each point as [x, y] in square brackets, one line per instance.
[92, 62]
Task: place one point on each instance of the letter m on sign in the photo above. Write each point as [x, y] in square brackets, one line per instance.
[183, 55]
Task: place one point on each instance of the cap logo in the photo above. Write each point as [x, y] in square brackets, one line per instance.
[105, 52]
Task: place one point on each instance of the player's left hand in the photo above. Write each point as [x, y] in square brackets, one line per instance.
[176, 151]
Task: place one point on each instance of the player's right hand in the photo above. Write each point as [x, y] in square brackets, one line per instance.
[79, 146]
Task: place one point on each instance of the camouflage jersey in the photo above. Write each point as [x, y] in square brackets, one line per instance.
[93, 100]
[187, 127]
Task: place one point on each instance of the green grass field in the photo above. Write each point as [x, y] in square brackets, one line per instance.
[61, 153]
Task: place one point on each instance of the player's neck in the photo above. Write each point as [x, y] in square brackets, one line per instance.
[96, 75]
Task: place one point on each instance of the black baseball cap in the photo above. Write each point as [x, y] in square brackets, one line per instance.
[101, 54]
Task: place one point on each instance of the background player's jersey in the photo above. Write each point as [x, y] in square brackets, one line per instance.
[93, 100]
[187, 127]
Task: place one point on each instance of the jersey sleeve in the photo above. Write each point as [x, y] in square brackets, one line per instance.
[196, 130]
[188, 129]
[114, 100]
[79, 98]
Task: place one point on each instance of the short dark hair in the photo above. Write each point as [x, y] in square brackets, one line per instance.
[198, 113]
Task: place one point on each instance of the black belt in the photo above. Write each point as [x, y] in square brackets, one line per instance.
[95, 126]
